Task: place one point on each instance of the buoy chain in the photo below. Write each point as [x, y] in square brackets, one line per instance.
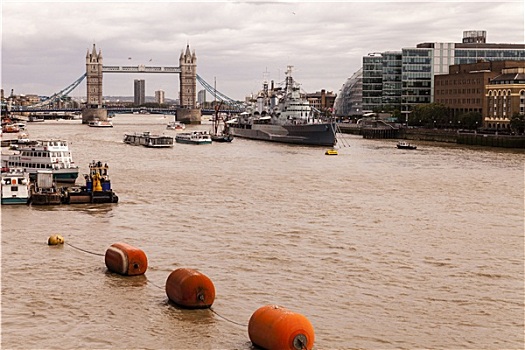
[85, 251]
[156, 285]
[237, 323]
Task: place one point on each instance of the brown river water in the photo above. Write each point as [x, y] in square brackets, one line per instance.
[379, 248]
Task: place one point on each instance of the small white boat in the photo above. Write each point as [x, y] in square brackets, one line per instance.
[21, 126]
[175, 125]
[405, 145]
[195, 137]
[15, 186]
[100, 124]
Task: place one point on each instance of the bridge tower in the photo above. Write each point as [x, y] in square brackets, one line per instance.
[188, 112]
[94, 104]
[188, 78]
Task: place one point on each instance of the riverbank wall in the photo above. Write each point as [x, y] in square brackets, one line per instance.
[465, 137]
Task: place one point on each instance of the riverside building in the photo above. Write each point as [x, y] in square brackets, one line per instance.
[403, 79]
[487, 88]
[139, 92]
[349, 101]
[159, 97]
[505, 97]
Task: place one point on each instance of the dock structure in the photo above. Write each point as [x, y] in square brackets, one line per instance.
[380, 133]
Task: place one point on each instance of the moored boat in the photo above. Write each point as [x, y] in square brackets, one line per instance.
[44, 190]
[10, 128]
[35, 118]
[405, 145]
[221, 137]
[15, 186]
[195, 137]
[220, 130]
[96, 190]
[53, 155]
[148, 140]
[283, 115]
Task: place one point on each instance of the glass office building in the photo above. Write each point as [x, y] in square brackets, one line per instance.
[349, 100]
[406, 79]
[392, 80]
[372, 81]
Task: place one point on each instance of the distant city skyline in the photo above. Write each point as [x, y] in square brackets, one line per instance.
[42, 53]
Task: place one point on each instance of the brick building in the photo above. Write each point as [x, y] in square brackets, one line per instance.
[322, 100]
[464, 88]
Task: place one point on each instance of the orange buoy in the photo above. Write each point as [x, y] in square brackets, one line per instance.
[275, 327]
[190, 288]
[126, 260]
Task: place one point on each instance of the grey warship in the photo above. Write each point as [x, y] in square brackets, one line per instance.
[283, 115]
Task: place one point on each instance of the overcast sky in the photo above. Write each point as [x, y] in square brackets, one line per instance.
[237, 44]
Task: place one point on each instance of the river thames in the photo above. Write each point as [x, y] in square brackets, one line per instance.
[379, 248]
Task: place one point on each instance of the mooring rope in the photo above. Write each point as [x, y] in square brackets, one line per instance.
[227, 319]
[156, 285]
[83, 250]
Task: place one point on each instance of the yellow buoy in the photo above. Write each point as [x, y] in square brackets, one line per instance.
[55, 240]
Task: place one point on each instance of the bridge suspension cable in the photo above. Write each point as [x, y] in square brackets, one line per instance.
[218, 95]
[59, 95]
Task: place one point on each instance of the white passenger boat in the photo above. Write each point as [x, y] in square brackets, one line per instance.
[195, 137]
[148, 140]
[100, 124]
[53, 155]
[15, 186]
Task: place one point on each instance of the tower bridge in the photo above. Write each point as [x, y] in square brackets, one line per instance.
[95, 70]
[187, 70]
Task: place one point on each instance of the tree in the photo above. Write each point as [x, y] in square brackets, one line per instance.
[470, 120]
[430, 114]
[517, 123]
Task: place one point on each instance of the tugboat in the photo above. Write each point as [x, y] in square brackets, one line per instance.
[97, 188]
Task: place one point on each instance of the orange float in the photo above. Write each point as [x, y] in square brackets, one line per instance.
[275, 327]
[126, 260]
[190, 289]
